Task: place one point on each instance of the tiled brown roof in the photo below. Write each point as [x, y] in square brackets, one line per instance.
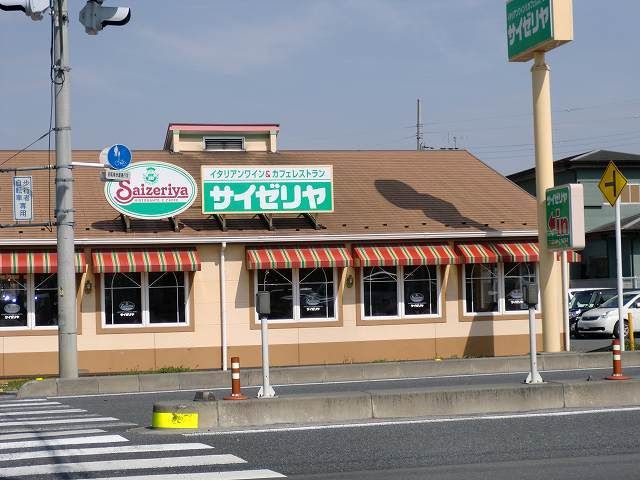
[376, 192]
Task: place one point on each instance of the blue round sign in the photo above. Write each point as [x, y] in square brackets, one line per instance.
[118, 156]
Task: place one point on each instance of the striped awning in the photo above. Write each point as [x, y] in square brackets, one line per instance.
[504, 252]
[135, 260]
[478, 253]
[389, 255]
[572, 256]
[36, 262]
[308, 257]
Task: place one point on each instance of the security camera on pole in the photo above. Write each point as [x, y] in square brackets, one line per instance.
[99, 18]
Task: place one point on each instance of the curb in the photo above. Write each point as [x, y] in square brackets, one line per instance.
[400, 403]
[53, 387]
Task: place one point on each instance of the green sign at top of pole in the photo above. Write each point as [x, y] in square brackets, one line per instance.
[537, 26]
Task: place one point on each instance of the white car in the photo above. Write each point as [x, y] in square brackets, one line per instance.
[604, 319]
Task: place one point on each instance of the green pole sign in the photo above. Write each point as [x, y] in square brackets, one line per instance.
[565, 217]
[268, 189]
[537, 25]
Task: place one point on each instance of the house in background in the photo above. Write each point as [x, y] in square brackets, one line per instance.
[598, 265]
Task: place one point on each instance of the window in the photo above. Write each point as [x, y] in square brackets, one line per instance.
[395, 292]
[516, 276]
[29, 301]
[491, 288]
[142, 299]
[306, 294]
[13, 300]
[46, 299]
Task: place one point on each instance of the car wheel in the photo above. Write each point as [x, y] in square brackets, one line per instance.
[616, 331]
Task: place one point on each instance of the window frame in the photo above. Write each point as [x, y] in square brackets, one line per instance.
[295, 293]
[400, 297]
[500, 275]
[31, 307]
[144, 291]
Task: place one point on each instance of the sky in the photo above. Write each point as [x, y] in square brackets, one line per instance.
[335, 74]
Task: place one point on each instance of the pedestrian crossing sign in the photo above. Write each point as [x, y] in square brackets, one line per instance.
[612, 183]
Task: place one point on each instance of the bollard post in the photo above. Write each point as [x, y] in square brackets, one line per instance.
[632, 340]
[617, 362]
[236, 394]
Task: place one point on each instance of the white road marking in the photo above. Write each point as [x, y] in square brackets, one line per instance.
[30, 404]
[51, 442]
[111, 450]
[39, 428]
[122, 464]
[228, 475]
[26, 400]
[59, 421]
[59, 433]
[41, 412]
[418, 422]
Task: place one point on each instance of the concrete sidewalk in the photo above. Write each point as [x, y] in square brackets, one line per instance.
[396, 403]
[51, 387]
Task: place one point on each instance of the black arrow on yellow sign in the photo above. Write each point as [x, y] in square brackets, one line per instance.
[612, 183]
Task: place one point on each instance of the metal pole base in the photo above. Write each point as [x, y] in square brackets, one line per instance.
[617, 377]
[535, 378]
[236, 396]
[269, 394]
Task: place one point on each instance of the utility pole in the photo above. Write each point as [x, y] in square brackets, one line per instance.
[94, 17]
[64, 213]
[419, 128]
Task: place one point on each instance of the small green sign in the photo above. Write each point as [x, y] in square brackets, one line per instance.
[269, 189]
[565, 217]
[529, 25]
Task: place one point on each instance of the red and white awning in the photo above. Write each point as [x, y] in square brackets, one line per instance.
[308, 257]
[389, 255]
[36, 262]
[508, 252]
[134, 260]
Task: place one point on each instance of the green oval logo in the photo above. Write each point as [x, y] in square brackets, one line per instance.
[154, 190]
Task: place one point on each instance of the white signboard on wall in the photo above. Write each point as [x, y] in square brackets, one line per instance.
[22, 198]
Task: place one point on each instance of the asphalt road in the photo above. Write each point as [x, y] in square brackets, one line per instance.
[137, 408]
[578, 444]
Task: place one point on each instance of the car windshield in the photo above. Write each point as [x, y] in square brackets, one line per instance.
[613, 301]
[581, 300]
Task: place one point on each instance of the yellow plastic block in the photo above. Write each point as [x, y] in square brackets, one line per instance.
[174, 420]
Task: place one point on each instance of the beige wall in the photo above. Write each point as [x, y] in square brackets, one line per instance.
[199, 345]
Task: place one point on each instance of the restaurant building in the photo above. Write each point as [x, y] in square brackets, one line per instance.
[368, 256]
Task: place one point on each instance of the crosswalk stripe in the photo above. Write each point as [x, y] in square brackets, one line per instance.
[55, 433]
[50, 442]
[41, 412]
[228, 475]
[111, 450]
[122, 464]
[26, 400]
[50, 428]
[30, 405]
[45, 421]
[59, 433]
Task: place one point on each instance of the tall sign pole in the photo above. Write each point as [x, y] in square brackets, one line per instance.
[549, 270]
[67, 328]
[534, 27]
[611, 185]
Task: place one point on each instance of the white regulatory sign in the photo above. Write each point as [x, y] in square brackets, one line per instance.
[22, 198]
[114, 175]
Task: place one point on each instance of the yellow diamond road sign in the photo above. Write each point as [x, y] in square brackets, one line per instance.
[612, 183]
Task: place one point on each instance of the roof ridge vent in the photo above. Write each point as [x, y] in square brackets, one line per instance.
[224, 144]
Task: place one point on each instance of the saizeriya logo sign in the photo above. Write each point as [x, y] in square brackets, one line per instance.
[154, 190]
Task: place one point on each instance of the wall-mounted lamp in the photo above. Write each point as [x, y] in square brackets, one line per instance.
[349, 281]
[88, 286]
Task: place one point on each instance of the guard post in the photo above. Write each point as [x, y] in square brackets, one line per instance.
[263, 308]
